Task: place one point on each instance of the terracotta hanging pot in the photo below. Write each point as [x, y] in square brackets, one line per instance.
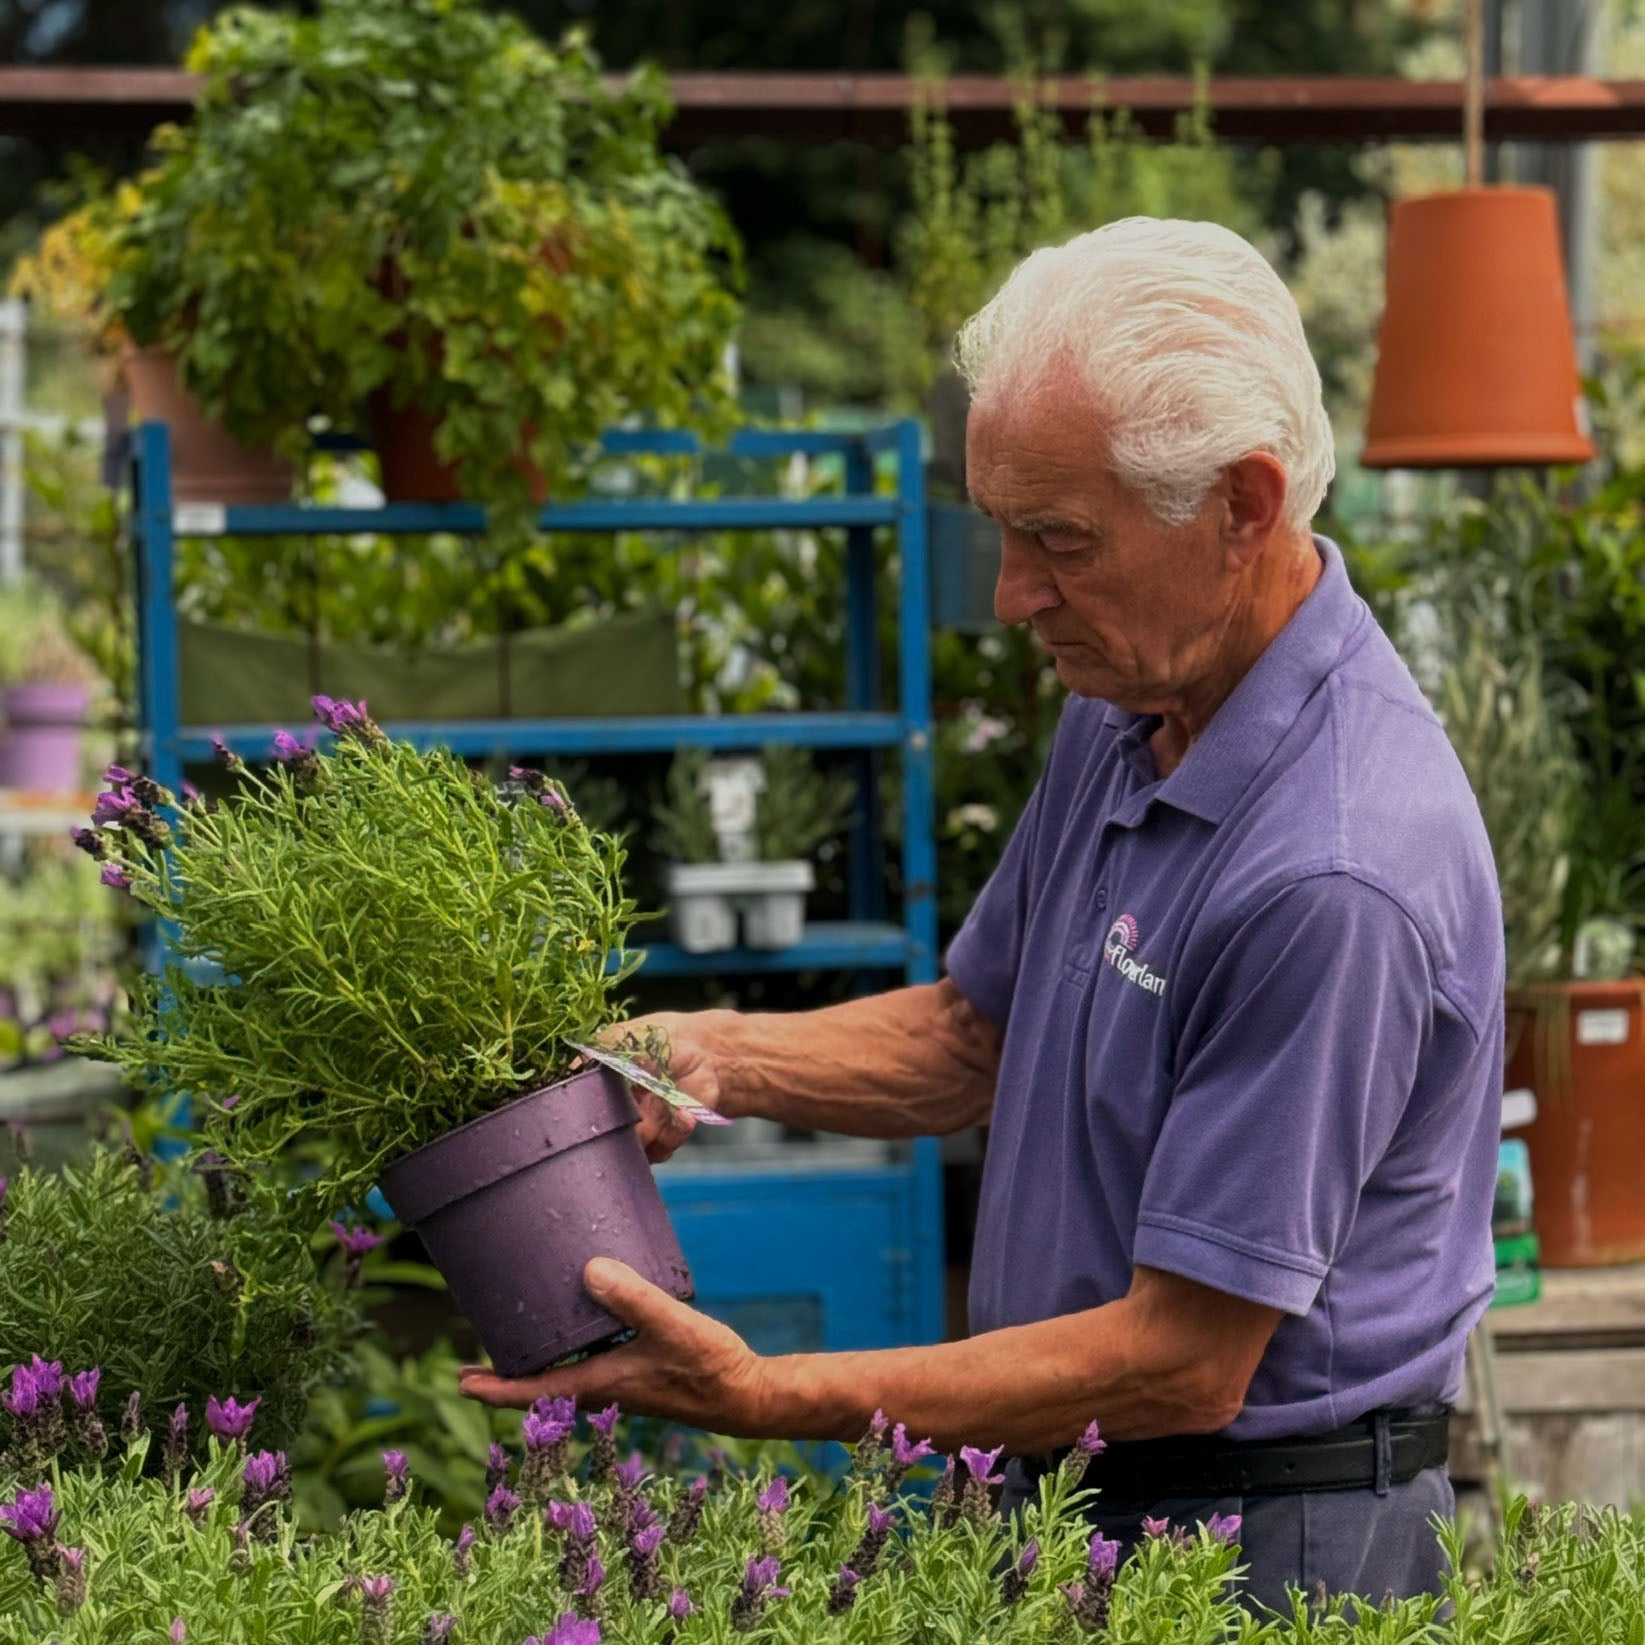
[1476, 365]
[208, 465]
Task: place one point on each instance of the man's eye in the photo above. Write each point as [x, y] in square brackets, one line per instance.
[1061, 542]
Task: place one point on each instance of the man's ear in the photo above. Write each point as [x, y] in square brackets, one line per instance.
[1254, 492]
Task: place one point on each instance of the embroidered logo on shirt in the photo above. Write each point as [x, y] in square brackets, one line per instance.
[1119, 951]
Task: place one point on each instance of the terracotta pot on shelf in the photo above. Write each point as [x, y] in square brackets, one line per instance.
[1580, 1046]
[512, 1206]
[208, 465]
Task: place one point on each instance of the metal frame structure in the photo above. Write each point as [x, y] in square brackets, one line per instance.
[68, 102]
[832, 1250]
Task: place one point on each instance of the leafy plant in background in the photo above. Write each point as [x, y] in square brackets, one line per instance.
[800, 806]
[122, 1266]
[406, 947]
[420, 198]
[1516, 748]
[682, 823]
[57, 945]
[34, 640]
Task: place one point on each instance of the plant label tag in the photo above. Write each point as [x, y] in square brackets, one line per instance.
[657, 1084]
[734, 787]
[1602, 1027]
[199, 519]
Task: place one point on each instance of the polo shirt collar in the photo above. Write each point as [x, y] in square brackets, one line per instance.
[1262, 708]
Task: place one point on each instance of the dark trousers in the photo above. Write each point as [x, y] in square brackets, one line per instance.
[1358, 1542]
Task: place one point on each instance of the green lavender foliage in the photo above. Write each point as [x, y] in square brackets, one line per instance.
[100, 1268]
[408, 948]
[1561, 1576]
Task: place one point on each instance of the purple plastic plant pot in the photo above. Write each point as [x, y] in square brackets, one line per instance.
[511, 1206]
[40, 746]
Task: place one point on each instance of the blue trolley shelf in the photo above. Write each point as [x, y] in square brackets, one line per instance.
[808, 1246]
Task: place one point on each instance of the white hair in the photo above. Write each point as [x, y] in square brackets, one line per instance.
[1192, 349]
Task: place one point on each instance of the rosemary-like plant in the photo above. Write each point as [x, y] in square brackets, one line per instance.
[392, 946]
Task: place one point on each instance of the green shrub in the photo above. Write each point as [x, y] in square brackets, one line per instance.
[124, 1268]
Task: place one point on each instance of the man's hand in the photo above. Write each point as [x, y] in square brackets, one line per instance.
[693, 1066]
[681, 1365]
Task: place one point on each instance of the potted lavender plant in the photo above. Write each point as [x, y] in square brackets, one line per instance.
[378, 950]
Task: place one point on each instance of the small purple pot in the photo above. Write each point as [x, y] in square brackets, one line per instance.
[511, 1206]
[40, 745]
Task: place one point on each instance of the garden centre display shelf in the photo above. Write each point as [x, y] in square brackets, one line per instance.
[817, 1247]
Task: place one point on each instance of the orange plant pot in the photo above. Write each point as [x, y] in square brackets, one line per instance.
[208, 465]
[1580, 1047]
[1476, 365]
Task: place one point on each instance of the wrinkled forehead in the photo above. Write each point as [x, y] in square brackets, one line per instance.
[1046, 446]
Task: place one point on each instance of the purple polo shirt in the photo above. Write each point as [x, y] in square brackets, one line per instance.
[1253, 1025]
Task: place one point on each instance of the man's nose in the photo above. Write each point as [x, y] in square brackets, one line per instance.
[1024, 588]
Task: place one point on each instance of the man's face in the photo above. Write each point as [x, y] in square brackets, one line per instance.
[1131, 609]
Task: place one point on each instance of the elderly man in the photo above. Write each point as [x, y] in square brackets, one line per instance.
[1231, 1005]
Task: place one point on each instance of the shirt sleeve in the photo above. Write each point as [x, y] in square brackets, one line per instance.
[986, 951]
[1297, 1060]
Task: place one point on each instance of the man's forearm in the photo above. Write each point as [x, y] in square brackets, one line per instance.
[917, 1061]
[1171, 1358]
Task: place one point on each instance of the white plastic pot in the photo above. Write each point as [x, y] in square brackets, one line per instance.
[773, 902]
[702, 906]
[705, 900]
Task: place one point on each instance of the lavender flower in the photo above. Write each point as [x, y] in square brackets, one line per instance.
[496, 1467]
[437, 1630]
[29, 1516]
[977, 1504]
[339, 716]
[593, 1577]
[571, 1629]
[1103, 1559]
[23, 1399]
[115, 877]
[575, 1517]
[773, 1505]
[602, 1454]
[843, 1595]
[287, 748]
[376, 1608]
[1156, 1527]
[1089, 1600]
[48, 1378]
[179, 1631]
[229, 1420]
[398, 1472]
[90, 841]
[868, 1448]
[1224, 1527]
[688, 1510]
[1015, 1584]
[903, 1457]
[267, 1477]
[131, 1419]
[355, 1243]
[679, 1605]
[500, 1509]
[866, 1556]
[89, 1433]
[645, 1580]
[548, 1428]
[1088, 1446]
[83, 1387]
[631, 1474]
[943, 1504]
[197, 1502]
[174, 1448]
[71, 1580]
[116, 776]
[460, 1548]
[115, 805]
[759, 1586]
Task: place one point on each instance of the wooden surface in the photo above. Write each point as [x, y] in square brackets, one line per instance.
[1570, 1374]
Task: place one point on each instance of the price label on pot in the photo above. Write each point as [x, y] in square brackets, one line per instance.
[1602, 1027]
[647, 1079]
[199, 519]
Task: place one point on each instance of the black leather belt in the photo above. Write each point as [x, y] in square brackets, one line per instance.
[1381, 1449]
